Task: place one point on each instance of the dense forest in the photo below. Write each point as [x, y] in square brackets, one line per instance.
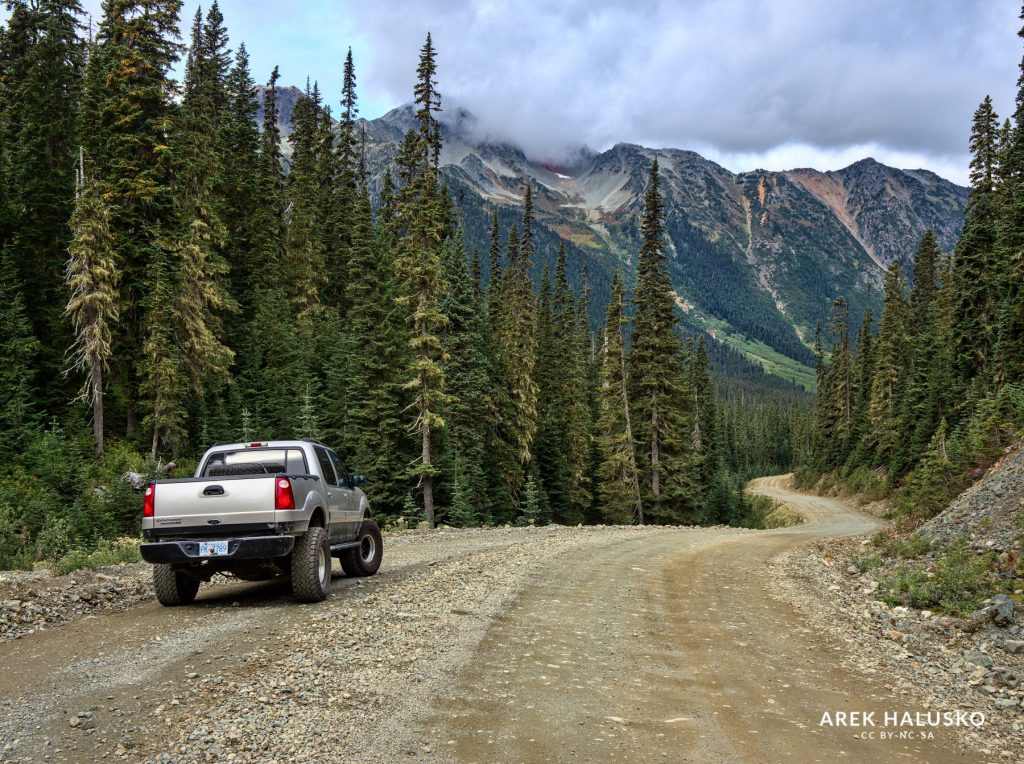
[924, 402]
[169, 282]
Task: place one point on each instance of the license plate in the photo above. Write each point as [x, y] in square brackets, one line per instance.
[213, 548]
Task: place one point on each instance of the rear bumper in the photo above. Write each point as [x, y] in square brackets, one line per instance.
[248, 548]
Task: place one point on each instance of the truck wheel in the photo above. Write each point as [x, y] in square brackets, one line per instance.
[365, 559]
[173, 587]
[311, 566]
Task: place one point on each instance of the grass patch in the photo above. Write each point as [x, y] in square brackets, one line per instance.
[770, 359]
[763, 512]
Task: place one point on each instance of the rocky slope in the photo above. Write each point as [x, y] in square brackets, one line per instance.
[912, 607]
[990, 514]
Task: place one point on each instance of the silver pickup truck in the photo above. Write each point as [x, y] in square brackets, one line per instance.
[258, 511]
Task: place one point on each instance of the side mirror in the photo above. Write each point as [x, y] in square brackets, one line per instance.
[358, 480]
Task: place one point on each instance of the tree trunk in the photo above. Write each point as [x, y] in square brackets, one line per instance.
[655, 454]
[97, 407]
[427, 479]
[634, 478]
[156, 427]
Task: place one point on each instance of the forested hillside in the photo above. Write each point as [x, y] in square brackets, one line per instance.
[755, 258]
[927, 397]
[171, 279]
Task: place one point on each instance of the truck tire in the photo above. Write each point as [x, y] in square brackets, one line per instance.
[365, 559]
[311, 566]
[173, 587]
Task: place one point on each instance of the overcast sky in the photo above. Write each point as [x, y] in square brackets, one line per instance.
[778, 84]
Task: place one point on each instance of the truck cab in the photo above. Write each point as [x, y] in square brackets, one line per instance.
[259, 510]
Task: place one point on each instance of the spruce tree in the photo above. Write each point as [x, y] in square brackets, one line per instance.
[655, 373]
[976, 283]
[467, 382]
[421, 273]
[516, 346]
[304, 269]
[127, 110]
[20, 348]
[890, 349]
[546, 452]
[240, 141]
[572, 336]
[925, 390]
[43, 58]
[864, 370]
[617, 475]
[1008, 360]
[839, 386]
[705, 436]
[376, 351]
[197, 268]
[92, 280]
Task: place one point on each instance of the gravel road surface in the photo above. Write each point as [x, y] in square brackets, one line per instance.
[506, 645]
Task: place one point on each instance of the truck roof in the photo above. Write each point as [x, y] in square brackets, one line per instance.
[268, 444]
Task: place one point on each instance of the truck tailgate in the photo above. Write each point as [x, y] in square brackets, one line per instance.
[213, 502]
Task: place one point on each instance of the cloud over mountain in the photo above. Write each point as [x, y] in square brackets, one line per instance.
[739, 81]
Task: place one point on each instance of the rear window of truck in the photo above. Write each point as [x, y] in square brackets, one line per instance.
[256, 461]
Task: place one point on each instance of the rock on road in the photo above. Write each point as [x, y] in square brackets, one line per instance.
[508, 645]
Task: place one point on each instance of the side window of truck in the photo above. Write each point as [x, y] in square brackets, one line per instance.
[325, 466]
[343, 478]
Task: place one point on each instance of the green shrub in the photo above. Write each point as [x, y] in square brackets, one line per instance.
[865, 563]
[907, 548]
[764, 512]
[107, 552]
[15, 552]
[54, 540]
[959, 583]
[907, 586]
[961, 579]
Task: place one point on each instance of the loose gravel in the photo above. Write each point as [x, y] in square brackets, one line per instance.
[268, 680]
[38, 600]
[939, 663]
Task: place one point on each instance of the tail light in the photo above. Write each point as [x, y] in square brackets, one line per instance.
[284, 498]
[148, 501]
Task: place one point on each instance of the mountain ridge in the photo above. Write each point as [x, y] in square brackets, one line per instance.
[756, 257]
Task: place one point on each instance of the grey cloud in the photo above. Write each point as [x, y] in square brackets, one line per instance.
[740, 77]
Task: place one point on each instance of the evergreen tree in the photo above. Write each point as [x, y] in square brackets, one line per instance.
[197, 268]
[921, 405]
[864, 370]
[890, 348]
[617, 475]
[1009, 247]
[370, 381]
[574, 337]
[127, 110]
[705, 437]
[92, 279]
[839, 386]
[516, 346]
[42, 57]
[420, 270]
[974, 319]
[20, 348]
[655, 374]
[240, 142]
[305, 269]
[465, 373]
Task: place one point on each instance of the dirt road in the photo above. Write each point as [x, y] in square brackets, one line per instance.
[512, 645]
[671, 649]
